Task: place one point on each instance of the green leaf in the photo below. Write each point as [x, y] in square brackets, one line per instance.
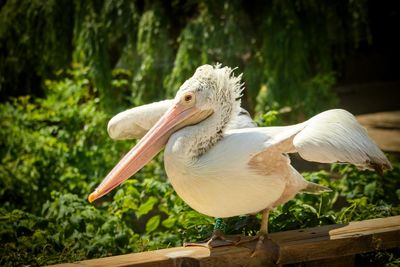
[129, 202]
[369, 189]
[146, 207]
[168, 223]
[153, 223]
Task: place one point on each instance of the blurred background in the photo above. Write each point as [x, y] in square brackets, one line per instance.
[66, 67]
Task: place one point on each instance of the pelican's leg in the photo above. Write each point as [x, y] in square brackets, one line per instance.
[217, 238]
[262, 233]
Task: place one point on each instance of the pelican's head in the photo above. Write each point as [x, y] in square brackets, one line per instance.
[213, 88]
[211, 91]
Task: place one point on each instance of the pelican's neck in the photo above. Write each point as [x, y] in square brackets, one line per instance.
[193, 141]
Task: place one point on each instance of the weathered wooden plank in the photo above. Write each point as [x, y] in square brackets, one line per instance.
[384, 129]
[180, 256]
[337, 240]
[313, 245]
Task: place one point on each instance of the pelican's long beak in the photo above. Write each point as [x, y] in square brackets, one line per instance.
[147, 148]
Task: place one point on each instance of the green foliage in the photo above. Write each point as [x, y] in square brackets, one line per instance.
[35, 37]
[268, 119]
[293, 78]
[307, 210]
[100, 29]
[155, 59]
[49, 144]
[369, 195]
[370, 184]
[277, 45]
[218, 34]
[69, 228]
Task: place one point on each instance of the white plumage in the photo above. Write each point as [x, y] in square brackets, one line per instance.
[336, 136]
[221, 170]
[136, 122]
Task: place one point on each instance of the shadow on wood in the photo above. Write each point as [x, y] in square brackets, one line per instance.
[332, 245]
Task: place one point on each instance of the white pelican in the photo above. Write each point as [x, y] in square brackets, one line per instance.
[224, 172]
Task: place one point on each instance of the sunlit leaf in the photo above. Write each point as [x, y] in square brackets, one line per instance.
[146, 207]
[153, 223]
[168, 223]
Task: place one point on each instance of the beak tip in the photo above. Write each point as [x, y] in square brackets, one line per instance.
[92, 197]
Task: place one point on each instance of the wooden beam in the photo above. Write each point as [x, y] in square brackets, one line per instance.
[312, 245]
[384, 129]
[338, 240]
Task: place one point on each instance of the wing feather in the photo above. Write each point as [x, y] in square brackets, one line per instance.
[136, 122]
[336, 136]
[329, 137]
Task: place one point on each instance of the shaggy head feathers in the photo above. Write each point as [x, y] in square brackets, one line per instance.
[216, 87]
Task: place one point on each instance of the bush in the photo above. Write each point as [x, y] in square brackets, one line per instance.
[69, 229]
[54, 143]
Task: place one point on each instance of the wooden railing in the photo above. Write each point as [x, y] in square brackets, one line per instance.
[332, 245]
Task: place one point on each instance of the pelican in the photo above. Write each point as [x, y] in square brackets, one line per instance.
[221, 169]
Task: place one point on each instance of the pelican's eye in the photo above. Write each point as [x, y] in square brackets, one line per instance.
[188, 98]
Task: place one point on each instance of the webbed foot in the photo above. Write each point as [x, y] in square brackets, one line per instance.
[261, 238]
[217, 240]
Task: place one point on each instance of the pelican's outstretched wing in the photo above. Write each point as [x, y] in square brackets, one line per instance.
[135, 122]
[329, 137]
[336, 136]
